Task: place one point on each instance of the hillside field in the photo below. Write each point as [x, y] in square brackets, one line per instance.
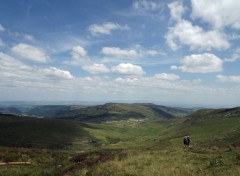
[126, 147]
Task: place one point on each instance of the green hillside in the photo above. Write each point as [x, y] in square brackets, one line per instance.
[168, 112]
[210, 114]
[129, 147]
[155, 148]
[112, 111]
[38, 133]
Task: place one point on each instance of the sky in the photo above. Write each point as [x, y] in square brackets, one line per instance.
[179, 53]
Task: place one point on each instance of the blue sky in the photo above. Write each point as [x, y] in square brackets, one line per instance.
[183, 53]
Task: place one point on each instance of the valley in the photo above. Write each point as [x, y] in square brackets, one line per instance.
[122, 139]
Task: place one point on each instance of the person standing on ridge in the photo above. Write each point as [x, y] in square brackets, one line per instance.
[186, 141]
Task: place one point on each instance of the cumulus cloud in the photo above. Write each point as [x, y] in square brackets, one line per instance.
[79, 55]
[53, 72]
[117, 52]
[30, 52]
[13, 71]
[16, 71]
[200, 63]
[8, 61]
[54, 83]
[195, 37]
[176, 10]
[96, 68]
[174, 67]
[106, 28]
[166, 76]
[219, 13]
[128, 69]
[234, 79]
[157, 83]
[2, 29]
[78, 52]
[138, 51]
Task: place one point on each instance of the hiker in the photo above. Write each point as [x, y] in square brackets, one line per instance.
[186, 141]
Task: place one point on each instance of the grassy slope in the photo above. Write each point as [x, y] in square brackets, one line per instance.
[41, 133]
[212, 149]
[127, 134]
[153, 148]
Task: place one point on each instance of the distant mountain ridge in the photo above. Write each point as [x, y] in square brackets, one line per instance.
[108, 111]
[169, 112]
[54, 111]
[11, 110]
[210, 114]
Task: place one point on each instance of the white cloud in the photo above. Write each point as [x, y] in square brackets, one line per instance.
[117, 52]
[176, 10]
[138, 51]
[142, 52]
[8, 61]
[174, 67]
[150, 53]
[2, 29]
[53, 72]
[106, 28]
[30, 52]
[15, 71]
[146, 5]
[234, 79]
[128, 69]
[79, 56]
[19, 81]
[219, 13]
[125, 81]
[195, 37]
[96, 68]
[200, 63]
[234, 57]
[78, 52]
[165, 76]
[157, 83]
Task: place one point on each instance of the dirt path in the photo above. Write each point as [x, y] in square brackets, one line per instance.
[15, 163]
[87, 160]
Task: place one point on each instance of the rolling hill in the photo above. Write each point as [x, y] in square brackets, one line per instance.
[109, 111]
[19, 131]
[10, 110]
[54, 111]
[211, 114]
[121, 111]
[123, 147]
